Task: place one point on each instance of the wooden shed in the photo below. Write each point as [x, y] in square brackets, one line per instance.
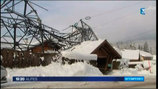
[99, 53]
[105, 53]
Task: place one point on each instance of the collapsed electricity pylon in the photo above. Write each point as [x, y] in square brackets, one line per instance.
[22, 28]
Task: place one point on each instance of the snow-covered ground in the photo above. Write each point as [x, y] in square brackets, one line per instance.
[79, 69]
[134, 72]
[56, 69]
[76, 69]
[138, 70]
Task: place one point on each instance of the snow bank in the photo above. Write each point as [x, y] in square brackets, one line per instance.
[56, 69]
[138, 71]
[146, 64]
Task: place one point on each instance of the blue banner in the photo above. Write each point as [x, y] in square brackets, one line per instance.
[78, 78]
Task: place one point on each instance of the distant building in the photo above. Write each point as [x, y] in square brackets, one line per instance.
[131, 55]
[145, 55]
[99, 53]
[136, 57]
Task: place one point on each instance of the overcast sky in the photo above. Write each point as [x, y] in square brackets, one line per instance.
[111, 20]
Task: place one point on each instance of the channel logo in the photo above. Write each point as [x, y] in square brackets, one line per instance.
[142, 11]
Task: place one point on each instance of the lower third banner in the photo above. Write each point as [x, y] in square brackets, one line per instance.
[78, 79]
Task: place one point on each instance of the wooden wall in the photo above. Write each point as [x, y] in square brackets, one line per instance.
[38, 49]
[146, 58]
[12, 58]
[116, 64]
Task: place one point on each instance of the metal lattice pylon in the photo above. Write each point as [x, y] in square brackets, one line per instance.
[22, 28]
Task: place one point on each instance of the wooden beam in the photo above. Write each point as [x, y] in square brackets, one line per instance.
[107, 50]
[104, 52]
[106, 63]
[102, 56]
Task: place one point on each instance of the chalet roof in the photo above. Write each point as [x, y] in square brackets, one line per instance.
[130, 54]
[86, 50]
[134, 54]
[145, 54]
[112, 51]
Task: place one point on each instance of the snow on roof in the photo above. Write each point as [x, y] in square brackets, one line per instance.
[130, 54]
[83, 51]
[134, 54]
[35, 42]
[145, 54]
[79, 56]
[118, 50]
[87, 47]
[6, 45]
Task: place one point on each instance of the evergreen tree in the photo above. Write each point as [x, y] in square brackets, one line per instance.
[150, 50]
[134, 46]
[117, 45]
[130, 47]
[139, 47]
[146, 48]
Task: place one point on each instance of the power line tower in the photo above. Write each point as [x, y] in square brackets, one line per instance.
[22, 28]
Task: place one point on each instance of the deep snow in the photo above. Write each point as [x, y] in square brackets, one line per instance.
[77, 69]
[56, 69]
[137, 71]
